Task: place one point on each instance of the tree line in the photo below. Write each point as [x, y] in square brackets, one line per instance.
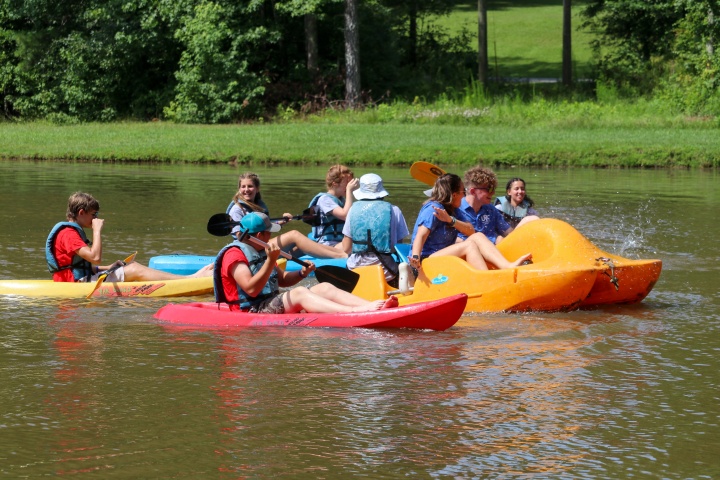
[219, 61]
[660, 48]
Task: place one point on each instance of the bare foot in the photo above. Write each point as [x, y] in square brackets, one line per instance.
[391, 302]
[522, 260]
[370, 306]
[206, 271]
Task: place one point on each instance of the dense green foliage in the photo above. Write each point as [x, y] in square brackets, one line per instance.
[224, 61]
[660, 47]
[207, 61]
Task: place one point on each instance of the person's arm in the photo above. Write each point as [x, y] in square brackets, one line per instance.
[253, 284]
[342, 212]
[347, 245]
[417, 246]
[466, 228]
[399, 226]
[93, 254]
[347, 241]
[286, 218]
[288, 279]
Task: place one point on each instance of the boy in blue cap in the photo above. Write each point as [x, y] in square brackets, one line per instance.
[247, 278]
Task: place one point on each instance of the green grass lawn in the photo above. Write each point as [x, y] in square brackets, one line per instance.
[525, 37]
[367, 144]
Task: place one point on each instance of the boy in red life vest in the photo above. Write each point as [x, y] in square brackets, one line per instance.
[72, 257]
[247, 278]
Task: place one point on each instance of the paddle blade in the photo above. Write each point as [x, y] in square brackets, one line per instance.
[342, 278]
[311, 216]
[221, 224]
[426, 172]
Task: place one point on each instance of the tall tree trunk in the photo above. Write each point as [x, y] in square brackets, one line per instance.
[482, 43]
[413, 14]
[352, 55]
[709, 44]
[311, 43]
[567, 45]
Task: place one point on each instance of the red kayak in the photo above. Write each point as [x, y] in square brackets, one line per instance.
[435, 315]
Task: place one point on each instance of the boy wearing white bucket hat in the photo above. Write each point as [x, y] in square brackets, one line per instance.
[373, 227]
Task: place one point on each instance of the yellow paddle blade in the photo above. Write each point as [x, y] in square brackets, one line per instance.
[426, 172]
[101, 278]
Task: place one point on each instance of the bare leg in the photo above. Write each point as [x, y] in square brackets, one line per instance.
[491, 254]
[467, 251]
[331, 292]
[206, 271]
[302, 298]
[309, 247]
[136, 272]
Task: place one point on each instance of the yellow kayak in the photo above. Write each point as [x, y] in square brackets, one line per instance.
[565, 275]
[158, 288]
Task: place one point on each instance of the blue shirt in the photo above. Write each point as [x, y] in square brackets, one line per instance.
[441, 233]
[488, 220]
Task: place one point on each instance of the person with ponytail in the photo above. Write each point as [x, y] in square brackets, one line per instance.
[437, 227]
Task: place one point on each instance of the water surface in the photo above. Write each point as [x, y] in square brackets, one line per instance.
[96, 389]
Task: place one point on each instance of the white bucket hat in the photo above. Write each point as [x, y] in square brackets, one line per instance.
[371, 188]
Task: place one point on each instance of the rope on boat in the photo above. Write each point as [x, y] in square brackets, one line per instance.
[613, 279]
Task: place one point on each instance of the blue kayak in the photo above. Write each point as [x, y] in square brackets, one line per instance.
[189, 264]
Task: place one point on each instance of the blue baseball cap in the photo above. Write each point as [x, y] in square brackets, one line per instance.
[256, 222]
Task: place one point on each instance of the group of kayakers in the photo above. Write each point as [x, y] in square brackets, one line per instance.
[350, 219]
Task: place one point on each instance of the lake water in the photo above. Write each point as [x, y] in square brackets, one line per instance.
[96, 389]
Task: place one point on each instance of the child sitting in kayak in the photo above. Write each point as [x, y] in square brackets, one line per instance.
[333, 206]
[436, 230]
[373, 228]
[516, 206]
[72, 257]
[249, 199]
[247, 278]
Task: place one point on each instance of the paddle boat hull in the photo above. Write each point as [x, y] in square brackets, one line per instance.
[619, 280]
[435, 315]
[161, 288]
[189, 264]
[568, 272]
[510, 290]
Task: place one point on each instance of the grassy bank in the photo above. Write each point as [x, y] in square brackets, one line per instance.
[345, 139]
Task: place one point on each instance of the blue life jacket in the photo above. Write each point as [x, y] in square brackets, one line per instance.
[255, 260]
[512, 215]
[81, 268]
[370, 229]
[329, 227]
